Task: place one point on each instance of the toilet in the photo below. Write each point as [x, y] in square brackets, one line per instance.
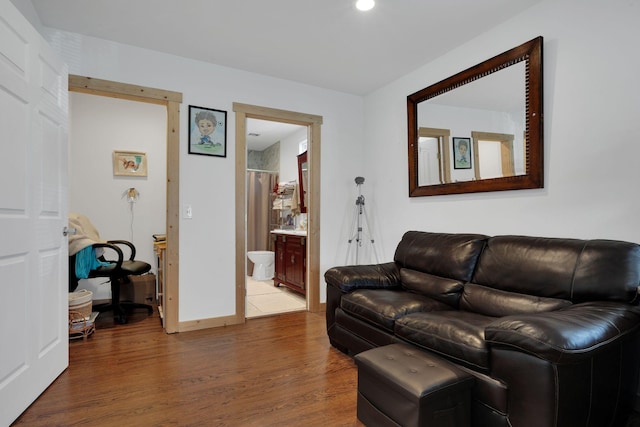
[263, 264]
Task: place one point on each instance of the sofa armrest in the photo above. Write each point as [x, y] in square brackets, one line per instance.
[375, 276]
[566, 335]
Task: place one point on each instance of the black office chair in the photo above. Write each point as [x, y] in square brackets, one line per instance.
[118, 272]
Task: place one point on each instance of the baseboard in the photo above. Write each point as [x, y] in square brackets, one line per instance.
[214, 322]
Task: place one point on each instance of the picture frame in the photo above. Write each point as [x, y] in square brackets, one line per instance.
[207, 131]
[129, 163]
[461, 153]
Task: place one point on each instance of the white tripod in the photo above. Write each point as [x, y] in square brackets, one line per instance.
[360, 215]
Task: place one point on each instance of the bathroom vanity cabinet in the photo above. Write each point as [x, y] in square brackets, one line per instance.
[290, 260]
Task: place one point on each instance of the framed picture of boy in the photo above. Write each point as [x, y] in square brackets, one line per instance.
[461, 153]
[207, 131]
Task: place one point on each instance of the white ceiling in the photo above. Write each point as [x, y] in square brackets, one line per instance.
[324, 43]
[268, 133]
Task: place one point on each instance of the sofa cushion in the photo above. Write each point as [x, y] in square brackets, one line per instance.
[456, 334]
[569, 335]
[497, 303]
[572, 269]
[440, 288]
[383, 307]
[441, 254]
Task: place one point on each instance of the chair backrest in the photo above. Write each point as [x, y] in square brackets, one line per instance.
[73, 279]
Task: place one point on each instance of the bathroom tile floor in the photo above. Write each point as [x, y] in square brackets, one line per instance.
[264, 299]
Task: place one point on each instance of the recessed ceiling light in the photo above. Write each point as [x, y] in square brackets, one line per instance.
[365, 4]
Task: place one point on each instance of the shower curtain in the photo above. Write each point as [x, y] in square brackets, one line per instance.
[259, 211]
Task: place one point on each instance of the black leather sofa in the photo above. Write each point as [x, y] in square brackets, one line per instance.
[549, 327]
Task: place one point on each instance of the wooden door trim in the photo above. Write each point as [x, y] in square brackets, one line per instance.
[506, 151]
[172, 101]
[313, 124]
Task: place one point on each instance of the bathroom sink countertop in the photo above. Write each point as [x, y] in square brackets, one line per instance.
[293, 232]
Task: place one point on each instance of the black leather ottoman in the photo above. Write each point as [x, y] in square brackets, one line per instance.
[399, 385]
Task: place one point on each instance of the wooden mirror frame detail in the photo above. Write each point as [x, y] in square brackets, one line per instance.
[531, 52]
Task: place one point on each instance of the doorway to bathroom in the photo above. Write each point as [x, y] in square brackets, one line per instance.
[272, 205]
[311, 241]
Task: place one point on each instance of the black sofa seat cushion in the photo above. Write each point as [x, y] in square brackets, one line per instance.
[384, 307]
[566, 336]
[455, 334]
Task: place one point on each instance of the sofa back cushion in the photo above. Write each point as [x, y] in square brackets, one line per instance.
[572, 269]
[439, 288]
[497, 303]
[452, 256]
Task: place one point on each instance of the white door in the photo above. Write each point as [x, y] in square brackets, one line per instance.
[428, 161]
[34, 346]
[490, 163]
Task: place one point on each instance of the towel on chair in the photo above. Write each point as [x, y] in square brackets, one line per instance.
[86, 260]
[81, 244]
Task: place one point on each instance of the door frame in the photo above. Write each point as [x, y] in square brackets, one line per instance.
[313, 124]
[444, 155]
[506, 151]
[172, 101]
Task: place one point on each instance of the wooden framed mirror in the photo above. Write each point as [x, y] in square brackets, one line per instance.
[481, 129]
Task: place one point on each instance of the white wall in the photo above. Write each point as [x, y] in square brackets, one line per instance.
[98, 126]
[289, 155]
[207, 242]
[591, 127]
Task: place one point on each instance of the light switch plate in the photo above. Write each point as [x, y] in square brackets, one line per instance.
[187, 212]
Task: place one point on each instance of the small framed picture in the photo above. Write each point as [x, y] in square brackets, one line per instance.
[461, 153]
[207, 131]
[129, 163]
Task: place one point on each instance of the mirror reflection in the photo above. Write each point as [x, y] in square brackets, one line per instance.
[489, 116]
[479, 130]
[303, 178]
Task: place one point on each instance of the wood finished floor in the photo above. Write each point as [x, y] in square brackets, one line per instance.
[274, 371]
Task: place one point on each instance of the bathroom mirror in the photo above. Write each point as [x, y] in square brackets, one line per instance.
[481, 129]
[303, 179]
